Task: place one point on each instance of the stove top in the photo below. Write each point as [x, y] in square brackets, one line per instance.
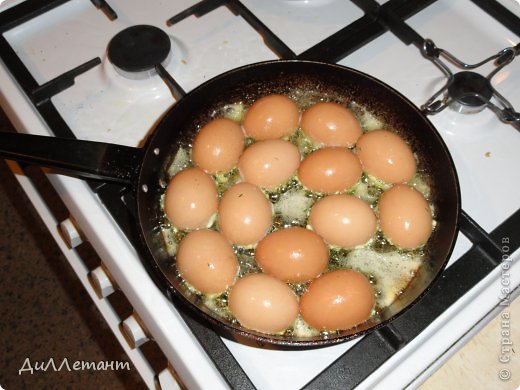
[57, 78]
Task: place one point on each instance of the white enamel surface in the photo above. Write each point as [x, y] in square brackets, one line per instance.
[104, 106]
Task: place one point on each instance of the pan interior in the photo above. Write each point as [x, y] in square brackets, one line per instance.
[329, 82]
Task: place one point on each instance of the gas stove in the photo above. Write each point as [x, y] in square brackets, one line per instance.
[62, 74]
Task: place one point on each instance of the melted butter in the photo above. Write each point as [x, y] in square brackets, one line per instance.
[170, 241]
[389, 272]
[224, 180]
[367, 120]
[293, 206]
[235, 112]
[181, 160]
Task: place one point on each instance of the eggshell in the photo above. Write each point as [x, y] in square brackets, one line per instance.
[405, 216]
[218, 145]
[244, 214]
[206, 260]
[271, 117]
[191, 199]
[263, 303]
[269, 164]
[292, 255]
[386, 156]
[337, 300]
[343, 220]
[331, 124]
[329, 170]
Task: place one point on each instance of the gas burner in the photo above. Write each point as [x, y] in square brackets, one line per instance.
[137, 51]
[468, 92]
[142, 51]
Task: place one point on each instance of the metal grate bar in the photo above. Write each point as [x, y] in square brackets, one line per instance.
[364, 30]
[106, 8]
[66, 80]
[501, 14]
[25, 11]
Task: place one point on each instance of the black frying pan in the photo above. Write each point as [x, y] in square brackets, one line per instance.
[144, 169]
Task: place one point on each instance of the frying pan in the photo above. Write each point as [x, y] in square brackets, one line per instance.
[145, 169]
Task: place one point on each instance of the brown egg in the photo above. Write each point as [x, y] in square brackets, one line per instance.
[244, 214]
[205, 259]
[331, 124]
[329, 170]
[292, 255]
[405, 217]
[271, 117]
[269, 164]
[263, 303]
[218, 145]
[386, 156]
[337, 300]
[191, 199]
[343, 220]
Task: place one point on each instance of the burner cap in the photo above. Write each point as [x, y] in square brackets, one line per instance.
[139, 48]
[470, 92]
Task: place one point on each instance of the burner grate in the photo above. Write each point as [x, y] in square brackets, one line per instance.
[469, 92]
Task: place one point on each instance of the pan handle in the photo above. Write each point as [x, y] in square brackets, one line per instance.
[86, 159]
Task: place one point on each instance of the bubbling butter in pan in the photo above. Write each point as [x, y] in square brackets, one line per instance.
[389, 272]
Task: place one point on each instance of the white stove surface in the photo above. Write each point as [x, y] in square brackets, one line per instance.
[104, 106]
